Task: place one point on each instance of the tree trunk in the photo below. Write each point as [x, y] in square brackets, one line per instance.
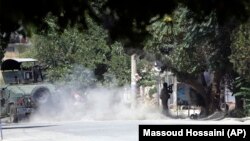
[214, 98]
[202, 91]
[209, 94]
[239, 103]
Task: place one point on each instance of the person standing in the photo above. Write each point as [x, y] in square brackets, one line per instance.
[165, 95]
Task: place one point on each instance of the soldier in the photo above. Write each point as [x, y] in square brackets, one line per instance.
[165, 95]
[36, 73]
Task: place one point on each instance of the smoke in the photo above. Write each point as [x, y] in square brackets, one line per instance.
[79, 98]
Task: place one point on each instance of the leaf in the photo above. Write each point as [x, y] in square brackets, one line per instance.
[240, 94]
[247, 90]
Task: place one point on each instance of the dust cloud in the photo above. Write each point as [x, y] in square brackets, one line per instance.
[81, 98]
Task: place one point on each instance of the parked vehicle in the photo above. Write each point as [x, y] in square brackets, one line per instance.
[23, 90]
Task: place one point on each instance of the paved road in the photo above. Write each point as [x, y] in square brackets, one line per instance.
[73, 131]
[116, 130]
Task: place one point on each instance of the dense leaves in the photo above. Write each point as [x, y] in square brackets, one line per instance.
[240, 59]
[185, 44]
[194, 49]
[241, 50]
[124, 12]
[243, 93]
[72, 50]
[126, 19]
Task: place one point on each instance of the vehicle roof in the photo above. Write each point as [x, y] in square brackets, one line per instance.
[21, 59]
[15, 63]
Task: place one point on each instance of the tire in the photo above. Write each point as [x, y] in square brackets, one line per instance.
[224, 107]
[40, 95]
[13, 113]
[194, 116]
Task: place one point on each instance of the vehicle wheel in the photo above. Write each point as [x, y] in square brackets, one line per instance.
[224, 107]
[13, 114]
[41, 95]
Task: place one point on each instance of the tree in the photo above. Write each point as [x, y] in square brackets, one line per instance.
[125, 19]
[61, 52]
[240, 50]
[240, 59]
[190, 48]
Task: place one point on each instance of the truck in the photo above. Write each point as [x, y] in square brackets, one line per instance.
[23, 89]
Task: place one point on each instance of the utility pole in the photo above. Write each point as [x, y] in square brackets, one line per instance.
[133, 80]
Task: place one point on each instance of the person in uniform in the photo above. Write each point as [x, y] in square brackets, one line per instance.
[165, 95]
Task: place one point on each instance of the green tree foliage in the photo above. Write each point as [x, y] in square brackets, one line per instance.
[241, 50]
[241, 62]
[189, 48]
[61, 52]
[123, 19]
[145, 69]
[119, 63]
[185, 44]
[243, 94]
[125, 13]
